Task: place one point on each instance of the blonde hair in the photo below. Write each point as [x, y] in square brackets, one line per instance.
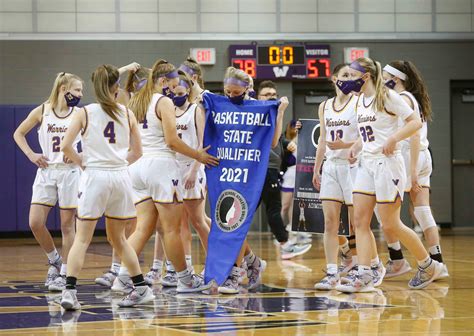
[104, 78]
[62, 78]
[232, 72]
[196, 68]
[140, 101]
[134, 78]
[183, 76]
[375, 70]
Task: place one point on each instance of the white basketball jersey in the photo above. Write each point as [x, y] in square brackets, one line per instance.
[187, 131]
[51, 133]
[105, 142]
[424, 128]
[375, 127]
[341, 123]
[151, 130]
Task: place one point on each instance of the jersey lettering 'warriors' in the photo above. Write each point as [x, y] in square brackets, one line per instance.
[340, 124]
[51, 133]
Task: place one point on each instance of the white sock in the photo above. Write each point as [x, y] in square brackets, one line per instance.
[331, 268]
[63, 269]
[375, 261]
[250, 258]
[123, 271]
[157, 264]
[354, 259]
[169, 266]
[436, 249]
[424, 263]
[185, 276]
[189, 260]
[53, 256]
[115, 267]
[395, 246]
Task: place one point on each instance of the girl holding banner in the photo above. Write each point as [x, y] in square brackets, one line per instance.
[161, 193]
[404, 78]
[381, 176]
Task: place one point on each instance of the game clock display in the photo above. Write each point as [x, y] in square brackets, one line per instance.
[286, 61]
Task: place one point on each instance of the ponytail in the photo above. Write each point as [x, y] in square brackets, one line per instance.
[62, 78]
[104, 78]
[375, 70]
[140, 101]
[416, 86]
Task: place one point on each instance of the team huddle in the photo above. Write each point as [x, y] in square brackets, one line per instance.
[142, 166]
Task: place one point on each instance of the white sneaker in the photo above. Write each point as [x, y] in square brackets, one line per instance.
[425, 276]
[195, 285]
[53, 272]
[170, 279]
[378, 273]
[254, 272]
[291, 250]
[346, 264]
[58, 284]
[122, 284]
[304, 238]
[107, 279]
[444, 272]
[396, 268]
[359, 283]
[138, 295]
[69, 300]
[231, 285]
[329, 282]
[153, 276]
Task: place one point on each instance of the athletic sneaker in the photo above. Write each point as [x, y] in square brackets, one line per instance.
[329, 282]
[378, 273]
[53, 272]
[304, 238]
[396, 268]
[231, 285]
[153, 276]
[195, 285]
[444, 273]
[122, 284]
[69, 300]
[359, 283]
[254, 272]
[170, 279]
[107, 279]
[138, 295]
[425, 276]
[58, 284]
[347, 263]
[350, 274]
[289, 250]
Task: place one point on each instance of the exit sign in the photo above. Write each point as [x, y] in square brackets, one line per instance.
[204, 55]
[353, 53]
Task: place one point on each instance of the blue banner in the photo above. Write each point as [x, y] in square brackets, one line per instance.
[241, 137]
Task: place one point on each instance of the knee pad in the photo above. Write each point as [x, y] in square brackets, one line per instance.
[424, 217]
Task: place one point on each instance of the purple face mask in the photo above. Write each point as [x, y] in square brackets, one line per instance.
[167, 92]
[71, 100]
[349, 86]
[180, 100]
[390, 84]
[237, 100]
[252, 94]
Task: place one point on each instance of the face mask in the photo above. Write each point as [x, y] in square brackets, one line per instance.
[71, 100]
[180, 100]
[390, 84]
[272, 99]
[237, 100]
[167, 92]
[252, 94]
[349, 86]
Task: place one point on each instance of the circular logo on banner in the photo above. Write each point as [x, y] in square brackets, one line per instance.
[315, 135]
[231, 210]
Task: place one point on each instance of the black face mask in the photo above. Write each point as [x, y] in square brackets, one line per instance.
[237, 99]
[272, 99]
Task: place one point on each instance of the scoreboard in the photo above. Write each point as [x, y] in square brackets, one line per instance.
[285, 61]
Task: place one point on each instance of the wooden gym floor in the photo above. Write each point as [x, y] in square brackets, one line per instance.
[285, 304]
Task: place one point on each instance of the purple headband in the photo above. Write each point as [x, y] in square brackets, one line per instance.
[356, 66]
[188, 70]
[172, 74]
[235, 81]
[183, 84]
